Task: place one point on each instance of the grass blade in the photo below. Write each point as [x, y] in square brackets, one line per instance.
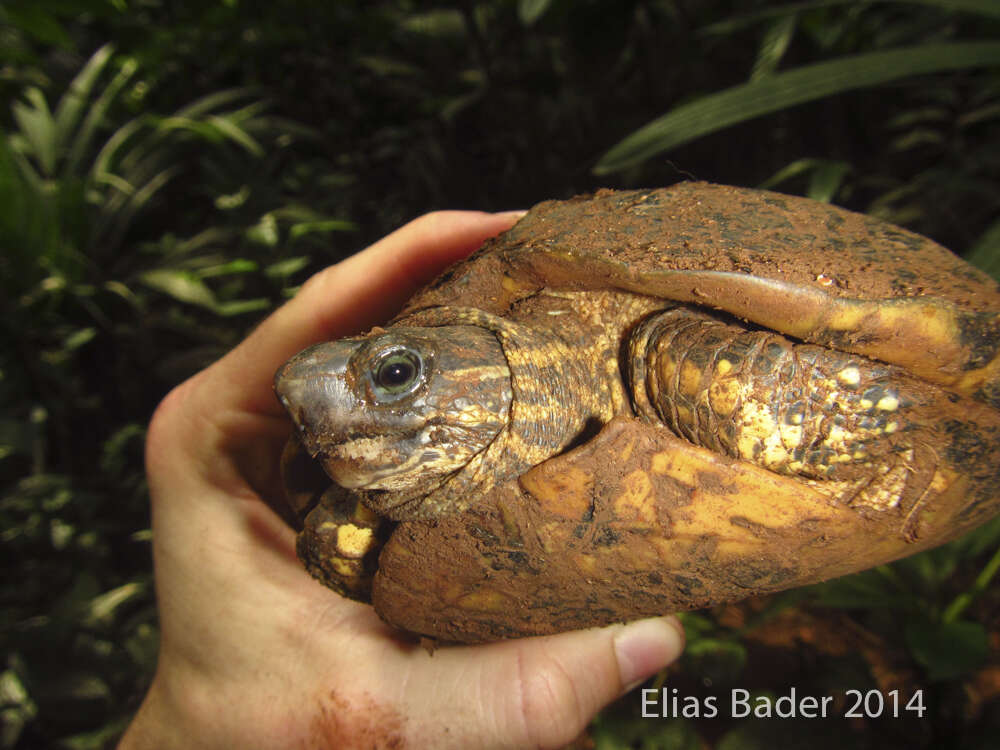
[37, 129]
[95, 115]
[72, 104]
[780, 91]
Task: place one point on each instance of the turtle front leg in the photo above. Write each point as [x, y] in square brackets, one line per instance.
[341, 542]
[339, 538]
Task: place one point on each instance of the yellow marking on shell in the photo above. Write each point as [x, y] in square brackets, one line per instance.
[484, 600]
[511, 285]
[567, 495]
[636, 502]
[586, 564]
[796, 418]
[723, 367]
[887, 403]
[354, 541]
[849, 376]
[942, 480]
[891, 427]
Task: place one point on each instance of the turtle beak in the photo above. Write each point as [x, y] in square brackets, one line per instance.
[313, 388]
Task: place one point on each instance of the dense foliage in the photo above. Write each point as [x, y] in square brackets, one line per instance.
[170, 170]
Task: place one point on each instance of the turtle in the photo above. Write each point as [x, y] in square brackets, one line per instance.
[638, 402]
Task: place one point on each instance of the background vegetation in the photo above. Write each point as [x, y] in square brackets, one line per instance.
[170, 170]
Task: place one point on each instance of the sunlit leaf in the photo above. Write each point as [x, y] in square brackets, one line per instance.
[780, 91]
[95, 116]
[79, 338]
[183, 286]
[239, 265]
[773, 47]
[265, 231]
[323, 227]
[75, 102]
[38, 129]
[102, 608]
[242, 306]
[530, 11]
[445, 22]
[285, 268]
[386, 66]
[235, 133]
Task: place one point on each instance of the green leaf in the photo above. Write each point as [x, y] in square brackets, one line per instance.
[101, 609]
[530, 11]
[866, 590]
[736, 23]
[38, 129]
[265, 231]
[947, 650]
[242, 306]
[39, 24]
[240, 265]
[328, 225]
[95, 117]
[780, 91]
[183, 286]
[825, 177]
[773, 47]
[285, 268]
[985, 254]
[228, 127]
[79, 338]
[716, 659]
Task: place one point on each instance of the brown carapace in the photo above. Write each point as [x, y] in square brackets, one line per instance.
[638, 402]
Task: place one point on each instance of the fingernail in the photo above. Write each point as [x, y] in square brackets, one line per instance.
[645, 647]
[517, 214]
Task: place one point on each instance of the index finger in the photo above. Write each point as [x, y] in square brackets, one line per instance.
[351, 296]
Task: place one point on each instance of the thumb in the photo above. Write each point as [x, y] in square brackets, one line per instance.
[542, 692]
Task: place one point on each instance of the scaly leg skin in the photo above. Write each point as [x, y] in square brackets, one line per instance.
[339, 538]
[341, 542]
[855, 429]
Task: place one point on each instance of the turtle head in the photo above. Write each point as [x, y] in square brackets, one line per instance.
[399, 409]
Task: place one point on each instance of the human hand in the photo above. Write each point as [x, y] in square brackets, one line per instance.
[253, 652]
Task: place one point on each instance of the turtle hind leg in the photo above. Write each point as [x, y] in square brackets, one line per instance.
[904, 479]
[796, 409]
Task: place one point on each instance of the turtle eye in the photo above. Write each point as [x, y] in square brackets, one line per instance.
[396, 373]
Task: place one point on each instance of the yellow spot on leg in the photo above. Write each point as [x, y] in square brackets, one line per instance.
[849, 376]
[353, 541]
[887, 403]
